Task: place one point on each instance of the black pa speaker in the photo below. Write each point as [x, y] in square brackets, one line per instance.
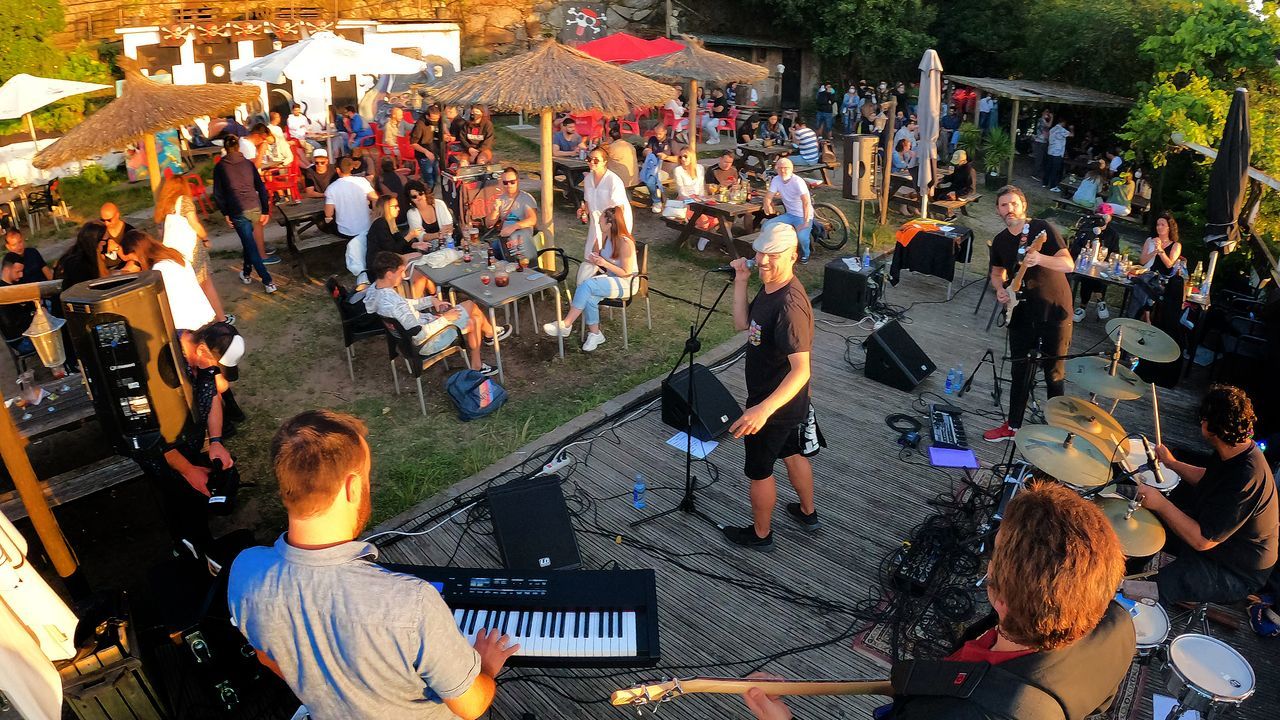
[531, 524]
[714, 408]
[859, 169]
[123, 335]
[847, 293]
[894, 359]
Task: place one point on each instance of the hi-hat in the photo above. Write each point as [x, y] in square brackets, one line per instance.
[1090, 373]
[1085, 418]
[1144, 340]
[1068, 457]
[1141, 534]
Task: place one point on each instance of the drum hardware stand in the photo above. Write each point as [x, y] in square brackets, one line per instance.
[1197, 619]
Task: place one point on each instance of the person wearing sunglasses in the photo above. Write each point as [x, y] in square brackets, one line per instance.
[116, 228]
[317, 178]
[690, 177]
[602, 190]
[515, 214]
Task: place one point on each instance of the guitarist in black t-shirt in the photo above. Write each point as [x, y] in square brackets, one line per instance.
[1041, 313]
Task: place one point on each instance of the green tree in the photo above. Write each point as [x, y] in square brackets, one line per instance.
[974, 38]
[877, 38]
[26, 28]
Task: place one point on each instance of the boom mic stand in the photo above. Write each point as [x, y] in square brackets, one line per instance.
[688, 503]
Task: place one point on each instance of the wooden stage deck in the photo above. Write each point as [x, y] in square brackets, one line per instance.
[868, 498]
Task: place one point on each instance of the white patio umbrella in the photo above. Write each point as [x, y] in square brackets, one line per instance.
[325, 55]
[23, 94]
[929, 117]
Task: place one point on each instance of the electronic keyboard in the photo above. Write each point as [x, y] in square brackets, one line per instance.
[946, 428]
[566, 618]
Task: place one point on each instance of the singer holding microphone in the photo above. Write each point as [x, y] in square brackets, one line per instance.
[1222, 519]
[1042, 317]
[779, 421]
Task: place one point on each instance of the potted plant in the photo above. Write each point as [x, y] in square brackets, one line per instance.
[996, 152]
[970, 139]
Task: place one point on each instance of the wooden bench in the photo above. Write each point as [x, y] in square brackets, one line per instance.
[951, 206]
[75, 484]
[802, 168]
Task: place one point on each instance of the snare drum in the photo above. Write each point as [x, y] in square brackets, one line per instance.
[1151, 624]
[1208, 675]
[1168, 478]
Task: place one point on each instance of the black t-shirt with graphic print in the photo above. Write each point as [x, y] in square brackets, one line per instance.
[780, 324]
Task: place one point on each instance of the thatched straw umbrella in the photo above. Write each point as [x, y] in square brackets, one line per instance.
[551, 78]
[695, 63]
[145, 108]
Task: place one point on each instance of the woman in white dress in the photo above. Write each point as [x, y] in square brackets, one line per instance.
[182, 230]
[601, 190]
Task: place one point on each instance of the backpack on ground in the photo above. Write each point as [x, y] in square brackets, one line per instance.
[474, 395]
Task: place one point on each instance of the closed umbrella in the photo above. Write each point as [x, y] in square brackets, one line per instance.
[23, 94]
[929, 116]
[1227, 182]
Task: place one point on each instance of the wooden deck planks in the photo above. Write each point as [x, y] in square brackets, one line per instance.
[868, 498]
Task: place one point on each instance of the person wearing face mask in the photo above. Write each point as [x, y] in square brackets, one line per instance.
[351, 638]
[1042, 318]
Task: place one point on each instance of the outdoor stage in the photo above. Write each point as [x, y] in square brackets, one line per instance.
[868, 500]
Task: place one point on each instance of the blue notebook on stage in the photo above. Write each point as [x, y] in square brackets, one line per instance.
[950, 457]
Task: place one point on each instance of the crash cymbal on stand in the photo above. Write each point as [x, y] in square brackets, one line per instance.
[1141, 534]
[1067, 456]
[1143, 340]
[1082, 416]
[1090, 373]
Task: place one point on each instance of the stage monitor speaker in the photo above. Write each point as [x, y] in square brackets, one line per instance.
[859, 169]
[123, 335]
[531, 524]
[714, 408]
[847, 293]
[894, 359]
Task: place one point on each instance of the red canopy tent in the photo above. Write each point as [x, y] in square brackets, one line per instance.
[623, 47]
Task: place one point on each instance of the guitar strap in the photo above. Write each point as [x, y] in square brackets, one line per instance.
[996, 691]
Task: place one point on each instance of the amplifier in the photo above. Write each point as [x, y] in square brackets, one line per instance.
[468, 173]
[532, 526]
[847, 293]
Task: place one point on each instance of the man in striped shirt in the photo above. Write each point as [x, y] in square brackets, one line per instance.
[805, 140]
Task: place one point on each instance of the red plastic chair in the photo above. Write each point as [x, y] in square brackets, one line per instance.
[728, 124]
[590, 124]
[285, 179]
[199, 193]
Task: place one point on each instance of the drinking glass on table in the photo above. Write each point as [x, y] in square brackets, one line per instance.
[484, 280]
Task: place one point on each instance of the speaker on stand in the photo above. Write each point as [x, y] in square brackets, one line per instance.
[859, 174]
[131, 359]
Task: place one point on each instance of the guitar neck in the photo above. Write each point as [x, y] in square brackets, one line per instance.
[737, 686]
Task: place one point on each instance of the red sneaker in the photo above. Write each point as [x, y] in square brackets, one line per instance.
[1000, 434]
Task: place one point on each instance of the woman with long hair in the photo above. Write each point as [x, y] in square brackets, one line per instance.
[83, 260]
[618, 266]
[187, 303]
[1160, 252]
[182, 230]
[385, 236]
[602, 191]
[690, 177]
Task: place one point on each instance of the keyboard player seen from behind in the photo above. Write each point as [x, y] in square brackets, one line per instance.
[351, 638]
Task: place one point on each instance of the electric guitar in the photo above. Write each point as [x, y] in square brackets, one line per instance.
[1015, 287]
[654, 693]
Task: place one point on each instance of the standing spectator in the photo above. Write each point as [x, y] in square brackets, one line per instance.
[477, 137]
[797, 204]
[849, 108]
[188, 306]
[391, 132]
[1056, 151]
[1114, 160]
[805, 141]
[346, 204]
[904, 100]
[602, 190]
[240, 195]
[422, 138]
[1040, 145]
[114, 228]
[175, 213]
[823, 116]
[950, 136]
[354, 129]
[34, 267]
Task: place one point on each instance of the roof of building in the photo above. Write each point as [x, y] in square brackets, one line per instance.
[1042, 91]
[743, 41]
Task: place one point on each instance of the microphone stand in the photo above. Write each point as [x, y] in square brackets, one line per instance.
[1034, 358]
[688, 503]
[987, 357]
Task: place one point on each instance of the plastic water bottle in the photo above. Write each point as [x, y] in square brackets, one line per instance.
[958, 382]
[951, 380]
[637, 492]
[866, 260]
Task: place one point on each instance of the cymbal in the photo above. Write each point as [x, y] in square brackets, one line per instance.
[1141, 534]
[1079, 463]
[1144, 340]
[1090, 373]
[1082, 416]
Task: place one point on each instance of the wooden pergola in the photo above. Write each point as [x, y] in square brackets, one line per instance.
[1038, 91]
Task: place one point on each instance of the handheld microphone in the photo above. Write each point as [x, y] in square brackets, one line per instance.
[1152, 463]
[751, 265]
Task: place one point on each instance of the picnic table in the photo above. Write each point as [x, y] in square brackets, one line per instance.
[573, 170]
[490, 297]
[725, 216]
[763, 157]
[66, 402]
[298, 217]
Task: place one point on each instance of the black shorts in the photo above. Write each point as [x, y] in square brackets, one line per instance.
[781, 440]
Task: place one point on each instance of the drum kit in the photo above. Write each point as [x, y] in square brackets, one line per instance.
[1078, 446]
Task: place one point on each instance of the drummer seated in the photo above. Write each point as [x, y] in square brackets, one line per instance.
[1223, 520]
[1051, 580]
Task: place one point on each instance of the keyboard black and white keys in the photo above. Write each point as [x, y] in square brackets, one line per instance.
[567, 618]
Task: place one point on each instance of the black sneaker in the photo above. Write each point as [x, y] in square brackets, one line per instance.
[746, 537]
[808, 522]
